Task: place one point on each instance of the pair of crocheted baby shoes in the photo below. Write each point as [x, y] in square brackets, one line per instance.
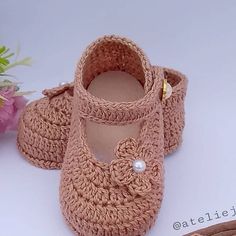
[117, 192]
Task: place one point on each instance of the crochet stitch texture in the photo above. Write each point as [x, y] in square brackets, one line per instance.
[45, 123]
[96, 199]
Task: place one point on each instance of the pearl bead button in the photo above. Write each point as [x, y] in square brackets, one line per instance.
[168, 90]
[139, 166]
[63, 83]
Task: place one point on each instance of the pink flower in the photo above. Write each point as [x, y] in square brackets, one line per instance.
[10, 109]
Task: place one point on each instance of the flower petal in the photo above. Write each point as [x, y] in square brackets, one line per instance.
[57, 90]
[145, 151]
[155, 171]
[140, 185]
[126, 147]
[121, 171]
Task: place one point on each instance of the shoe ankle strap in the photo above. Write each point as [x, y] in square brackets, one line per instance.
[116, 53]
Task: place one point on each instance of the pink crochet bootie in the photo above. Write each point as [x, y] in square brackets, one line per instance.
[44, 127]
[123, 195]
[45, 123]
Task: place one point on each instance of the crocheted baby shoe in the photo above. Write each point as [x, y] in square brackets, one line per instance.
[121, 197]
[44, 125]
[44, 128]
[221, 229]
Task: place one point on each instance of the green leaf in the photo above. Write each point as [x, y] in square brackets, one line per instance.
[9, 55]
[7, 83]
[23, 93]
[2, 70]
[5, 64]
[2, 49]
[24, 62]
[4, 61]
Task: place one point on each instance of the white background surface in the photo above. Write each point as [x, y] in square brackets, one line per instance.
[195, 37]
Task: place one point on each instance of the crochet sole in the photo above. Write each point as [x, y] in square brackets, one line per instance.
[80, 234]
[72, 227]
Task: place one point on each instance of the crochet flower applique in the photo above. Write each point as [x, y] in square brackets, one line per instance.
[123, 172]
[58, 90]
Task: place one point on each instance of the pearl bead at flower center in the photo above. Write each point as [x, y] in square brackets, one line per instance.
[139, 166]
[62, 83]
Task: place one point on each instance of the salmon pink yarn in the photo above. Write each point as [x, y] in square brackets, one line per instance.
[45, 123]
[220, 229]
[122, 169]
[99, 198]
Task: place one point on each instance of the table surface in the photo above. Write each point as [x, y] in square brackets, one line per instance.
[195, 37]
